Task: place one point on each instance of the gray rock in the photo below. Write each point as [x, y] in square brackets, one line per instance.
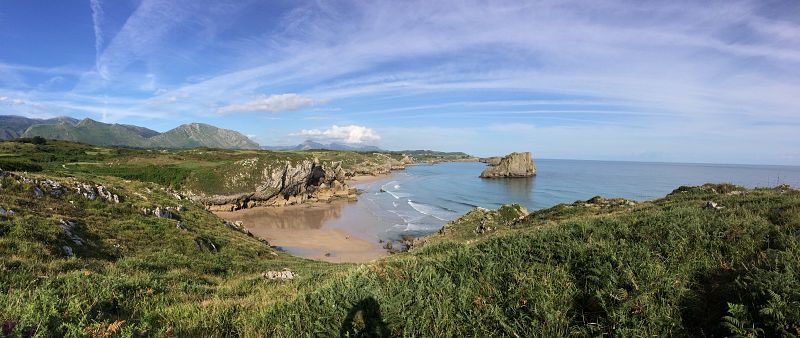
[67, 251]
[162, 212]
[38, 192]
[205, 244]
[67, 227]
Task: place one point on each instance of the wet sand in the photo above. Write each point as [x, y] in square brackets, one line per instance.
[334, 232]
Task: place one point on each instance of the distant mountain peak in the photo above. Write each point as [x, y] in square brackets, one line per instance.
[89, 131]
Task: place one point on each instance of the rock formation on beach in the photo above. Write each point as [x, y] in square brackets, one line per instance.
[512, 165]
[306, 181]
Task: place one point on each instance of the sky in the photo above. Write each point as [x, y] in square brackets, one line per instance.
[674, 81]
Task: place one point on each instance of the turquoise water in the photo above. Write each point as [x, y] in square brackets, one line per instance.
[420, 199]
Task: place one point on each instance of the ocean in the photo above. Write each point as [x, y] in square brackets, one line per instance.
[420, 199]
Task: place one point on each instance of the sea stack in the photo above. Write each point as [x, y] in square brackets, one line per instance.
[512, 165]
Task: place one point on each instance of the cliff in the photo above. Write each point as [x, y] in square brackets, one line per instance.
[512, 165]
[305, 181]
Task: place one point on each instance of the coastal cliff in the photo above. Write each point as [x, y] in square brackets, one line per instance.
[511, 165]
[306, 181]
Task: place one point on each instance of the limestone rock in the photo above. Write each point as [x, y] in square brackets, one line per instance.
[286, 274]
[512, 165]
[205, 244]
[67, 227]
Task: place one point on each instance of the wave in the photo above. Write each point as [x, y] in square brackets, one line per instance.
[398, 195]
[435, 211]
[407, 218]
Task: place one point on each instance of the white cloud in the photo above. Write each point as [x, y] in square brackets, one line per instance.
[271, 104]
[97, 16]
[11, 102]
[351, 134]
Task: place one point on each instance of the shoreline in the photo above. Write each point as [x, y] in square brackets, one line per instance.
[300, 230]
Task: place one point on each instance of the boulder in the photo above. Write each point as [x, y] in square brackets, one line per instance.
[512, 165]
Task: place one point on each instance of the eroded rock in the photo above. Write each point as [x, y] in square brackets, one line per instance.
[512, 165]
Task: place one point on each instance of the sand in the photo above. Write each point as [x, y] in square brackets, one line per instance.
[304, 230]
[361, 179]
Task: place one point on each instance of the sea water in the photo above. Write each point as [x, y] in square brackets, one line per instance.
[420, 199]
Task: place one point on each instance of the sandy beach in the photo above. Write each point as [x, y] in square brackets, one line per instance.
[300, 230]
[361, 179]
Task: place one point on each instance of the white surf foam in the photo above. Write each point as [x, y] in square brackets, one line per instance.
[439, 213]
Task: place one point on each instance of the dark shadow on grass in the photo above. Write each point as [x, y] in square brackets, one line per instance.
[707, 302]
[364, 320]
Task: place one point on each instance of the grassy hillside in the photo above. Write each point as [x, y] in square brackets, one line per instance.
[670, 267]
[209, 171]
[90, 132]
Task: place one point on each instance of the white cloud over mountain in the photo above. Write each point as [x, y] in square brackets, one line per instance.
[351, 134]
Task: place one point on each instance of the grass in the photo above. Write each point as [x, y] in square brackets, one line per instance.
[668, 267]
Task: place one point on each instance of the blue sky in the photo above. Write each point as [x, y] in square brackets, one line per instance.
[686, 81]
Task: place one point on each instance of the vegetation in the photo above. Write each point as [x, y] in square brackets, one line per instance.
[669, 267]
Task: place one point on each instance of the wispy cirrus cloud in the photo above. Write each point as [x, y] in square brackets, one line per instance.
[271, 104]
[97, 17]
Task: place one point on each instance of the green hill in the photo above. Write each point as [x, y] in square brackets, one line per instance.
[12, 126]
[90, 132]
[602, 267]
[186, 136]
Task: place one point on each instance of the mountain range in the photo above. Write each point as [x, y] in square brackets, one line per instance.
[192, 135]
[309, 144]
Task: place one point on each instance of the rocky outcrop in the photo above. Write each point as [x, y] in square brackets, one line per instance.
[512, 165]
[292, 183]
[42, 187]
[160, 212]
